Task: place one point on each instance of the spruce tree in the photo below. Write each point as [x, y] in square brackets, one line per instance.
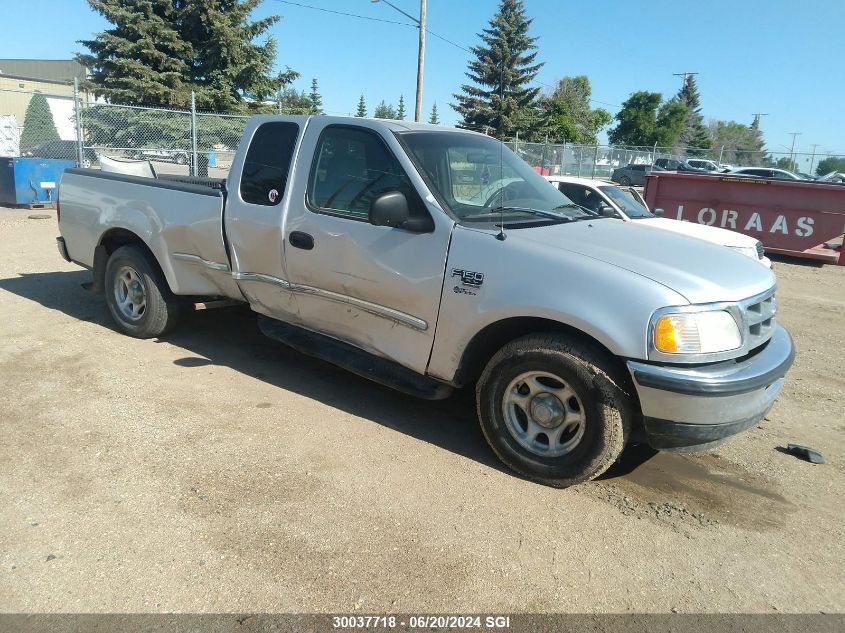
[158, 51]
[316, 99]
[434, 119]
[227, 62]
[362, 108]
[143, 59]
[500, 97]
[400, 113]
[38, 124]
[694, 134]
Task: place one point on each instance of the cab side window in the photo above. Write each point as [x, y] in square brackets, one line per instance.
[267, 163]
[352, 166]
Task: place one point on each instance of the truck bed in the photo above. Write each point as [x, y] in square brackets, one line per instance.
[179, 217]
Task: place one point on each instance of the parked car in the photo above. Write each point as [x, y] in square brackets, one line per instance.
[628, 205]
[672, 164]
[632, 174]
[180, 157]
[707, 165]
[350, 240]
[63, 150]
[766, 172]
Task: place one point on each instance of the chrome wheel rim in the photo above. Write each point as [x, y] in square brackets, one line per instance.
[543, 414]
[130, 294]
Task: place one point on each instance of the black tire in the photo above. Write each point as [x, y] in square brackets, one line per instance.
[625, 181]
[585, 369]
[161, 309]
[180, 159]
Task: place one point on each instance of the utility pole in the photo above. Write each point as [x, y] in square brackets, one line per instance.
[792, 149]
[757, 116]
[420, 51]
[813, 159]
[684, 75]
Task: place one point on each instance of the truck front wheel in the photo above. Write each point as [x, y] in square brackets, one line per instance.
[551, 409]
[137, 294]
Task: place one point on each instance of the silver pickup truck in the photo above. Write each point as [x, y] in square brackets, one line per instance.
[387, 248]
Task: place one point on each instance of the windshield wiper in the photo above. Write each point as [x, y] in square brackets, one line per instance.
[544, 214]
[590, 213]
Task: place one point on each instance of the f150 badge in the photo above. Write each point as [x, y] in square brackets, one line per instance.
[469, 278]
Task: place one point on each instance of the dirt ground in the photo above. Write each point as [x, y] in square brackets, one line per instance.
[216, 470]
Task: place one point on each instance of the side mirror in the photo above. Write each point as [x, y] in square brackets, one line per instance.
[389, 209]
[657, 212]
[607, 211]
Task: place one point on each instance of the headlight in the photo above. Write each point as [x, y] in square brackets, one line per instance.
[696, 333]
[748, 251]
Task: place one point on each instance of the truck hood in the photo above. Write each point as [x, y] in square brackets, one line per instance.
[701, 231]
[700, 271]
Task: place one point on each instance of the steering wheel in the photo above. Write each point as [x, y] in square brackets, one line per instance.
[511, 191]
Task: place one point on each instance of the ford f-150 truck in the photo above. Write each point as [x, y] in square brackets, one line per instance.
[381, 247]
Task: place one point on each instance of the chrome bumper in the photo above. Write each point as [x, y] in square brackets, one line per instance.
[694, 408]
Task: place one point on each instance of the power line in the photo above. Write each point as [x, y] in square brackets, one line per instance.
[416, 26]
[349, 15]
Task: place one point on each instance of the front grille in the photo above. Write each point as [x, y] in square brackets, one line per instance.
[761, 252]
[759, 315]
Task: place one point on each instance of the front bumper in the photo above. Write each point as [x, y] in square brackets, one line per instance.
[694, 408]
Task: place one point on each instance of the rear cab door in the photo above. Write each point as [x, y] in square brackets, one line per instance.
[258, 196]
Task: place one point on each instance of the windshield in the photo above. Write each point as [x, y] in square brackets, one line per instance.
[480, 179]
[632, 207]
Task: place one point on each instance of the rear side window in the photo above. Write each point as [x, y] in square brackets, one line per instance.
[267, 163]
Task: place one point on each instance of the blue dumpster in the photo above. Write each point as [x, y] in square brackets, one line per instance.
[30, 180]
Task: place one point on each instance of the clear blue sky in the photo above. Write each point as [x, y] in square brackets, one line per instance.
[779, 57]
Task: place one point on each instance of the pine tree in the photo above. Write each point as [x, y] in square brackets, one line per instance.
[158, 51]
[434, 119]
[502, 72]
[316, 99]
[38, 124]
[400, 113]
[694, 134]
[362, 107]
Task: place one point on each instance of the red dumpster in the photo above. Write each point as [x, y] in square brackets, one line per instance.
[788, 217]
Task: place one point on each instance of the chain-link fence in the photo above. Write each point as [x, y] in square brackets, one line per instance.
[69, 124]
[600, 161]
[56, 126]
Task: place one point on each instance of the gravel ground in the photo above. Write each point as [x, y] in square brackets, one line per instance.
[218, 471]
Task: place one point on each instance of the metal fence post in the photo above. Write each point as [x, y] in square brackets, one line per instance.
[194, 132]
[77, 111]
[595, 160]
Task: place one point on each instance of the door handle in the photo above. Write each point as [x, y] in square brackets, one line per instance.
[301, 240]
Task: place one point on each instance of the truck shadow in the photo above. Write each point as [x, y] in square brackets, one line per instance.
[230, 337]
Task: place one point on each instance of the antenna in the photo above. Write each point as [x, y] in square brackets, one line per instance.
[501, 236]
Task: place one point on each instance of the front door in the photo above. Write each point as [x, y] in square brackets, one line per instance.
[373, 286]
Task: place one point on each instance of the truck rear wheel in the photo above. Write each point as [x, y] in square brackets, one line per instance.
[139, 299]
[551, 409]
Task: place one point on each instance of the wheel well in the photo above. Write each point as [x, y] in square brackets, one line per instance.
[109, 243]
[492, 338]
